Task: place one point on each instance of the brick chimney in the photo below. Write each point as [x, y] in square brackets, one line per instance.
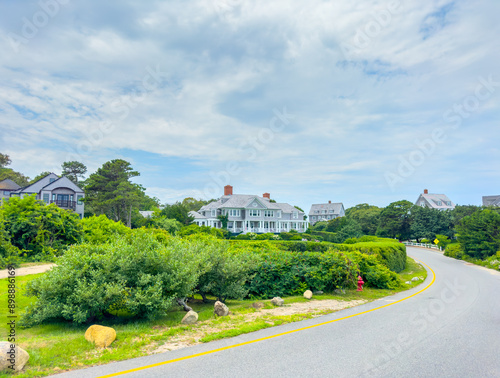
[426, 191]
[228, 190]
[329, 201]
[267, 195]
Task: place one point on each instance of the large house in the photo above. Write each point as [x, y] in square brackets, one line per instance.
[250, 213]
[435, 201]
[491, 200]
[54, 189]
[325, 212]
[7, 186]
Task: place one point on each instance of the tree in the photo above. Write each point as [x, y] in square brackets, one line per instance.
[395, 220]
[479, 233]
[461, 211]
[224, 219]
[40, 176]
[73, 170]
[109, 191]
[8, 173]
[193, 204]
[367, 217]
[177, 211]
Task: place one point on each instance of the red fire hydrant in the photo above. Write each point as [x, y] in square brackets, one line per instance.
[360, 284]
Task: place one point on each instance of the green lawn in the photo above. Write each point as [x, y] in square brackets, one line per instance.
[61, 346]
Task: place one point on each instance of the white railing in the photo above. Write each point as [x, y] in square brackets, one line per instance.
[424, 245]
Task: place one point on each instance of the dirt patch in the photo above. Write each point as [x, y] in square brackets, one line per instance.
[27, 270]
[313, 307]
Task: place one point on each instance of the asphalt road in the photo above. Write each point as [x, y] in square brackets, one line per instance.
[451, 329]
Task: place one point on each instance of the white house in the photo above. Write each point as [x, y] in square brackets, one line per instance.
[250, 213]
[491, 200]
[435, 201]
[326, 211]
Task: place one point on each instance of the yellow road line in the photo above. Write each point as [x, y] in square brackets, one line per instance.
[273, 336]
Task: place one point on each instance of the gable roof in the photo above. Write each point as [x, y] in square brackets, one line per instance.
[336, 207]
[62, 182]
[433, 200]
[45, 184]
[8, 184]
[243, 201]
[38, 185]
[491, 200]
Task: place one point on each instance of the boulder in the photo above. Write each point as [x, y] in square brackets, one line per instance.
[277, 301]
[319, 292]
[101, 336]
[415, 279]
[12, 355]
[220, 309]
[308, 294]
[190, 318]
[408, 282]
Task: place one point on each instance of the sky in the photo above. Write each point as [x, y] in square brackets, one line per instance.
[349, 101]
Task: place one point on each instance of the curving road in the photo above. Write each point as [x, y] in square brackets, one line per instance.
[450, 329]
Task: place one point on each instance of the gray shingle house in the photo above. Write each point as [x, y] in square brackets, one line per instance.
[491, 200]
[326, 211]
[250, 213]
[7, 186]
[435, 201]
[54, 189]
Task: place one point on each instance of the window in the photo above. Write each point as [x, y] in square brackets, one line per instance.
[439, 203]
[234, 212]
[53, 197]
[316, 211]
[254, 213]
[295, 214]
[46, 197]
[79, 199]
[279, 213]
[313, 217]
[268, 213]
[214, 212]
[6, 192]
[323, 211]
[331, 211]
[448, 203]
[422, 204]
[51, 180]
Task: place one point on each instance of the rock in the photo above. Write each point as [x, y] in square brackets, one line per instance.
[494, 262]
[258, 305]
[308, 294]
[319, 292]
[190, 318]
[11, 354]
[414, 279]
[408, 282]
[220, 309]
[277, 301]
[101, 336]
[339, 291]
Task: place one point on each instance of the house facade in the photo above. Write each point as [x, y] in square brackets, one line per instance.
[7, 186]
[326, 211]
[435, 201]
[250, 213]
[491, 200]
[54, 189]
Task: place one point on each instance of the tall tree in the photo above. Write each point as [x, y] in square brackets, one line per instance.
[479, 233]
[395, 220]
[193, 204]
[366, 215]
[73, 170]
[109, 191]
[8, 173]
[177, 211]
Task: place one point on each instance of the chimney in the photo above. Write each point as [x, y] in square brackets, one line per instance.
[426, 191]
[267, 195]
[228, 190]
[329, 201]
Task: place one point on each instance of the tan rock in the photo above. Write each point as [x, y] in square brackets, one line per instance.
[220, 309]
[101, 336]
[277, 301]
[308, 294]
[257, 305]
[190, 318]
[12, 356]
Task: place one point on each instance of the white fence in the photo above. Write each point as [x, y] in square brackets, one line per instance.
[424, 245]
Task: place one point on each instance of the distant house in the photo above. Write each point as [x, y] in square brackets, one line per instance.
[146, 213]
[435, 201]
[250, 213]
[7, 186]
[54, 189]
[491, 200]
[325, 212]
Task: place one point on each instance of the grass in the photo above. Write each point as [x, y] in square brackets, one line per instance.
[58, 347]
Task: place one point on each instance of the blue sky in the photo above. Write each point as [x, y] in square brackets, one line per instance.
[353, 102]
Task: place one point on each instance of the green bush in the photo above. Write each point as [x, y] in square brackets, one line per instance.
[137, 276]
[375, 274]
[454, 250]
[100, 229]
[479, 233]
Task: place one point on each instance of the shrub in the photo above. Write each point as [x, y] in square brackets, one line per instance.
[454, 250]
[138, 277]
[375, 274]
[100, 229]
[479, 234]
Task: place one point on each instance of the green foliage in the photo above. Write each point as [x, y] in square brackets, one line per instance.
[179, 212]
[443, 240]
[193, 204]
[195, 229]
[367, 216]
[39, 177]
[9, 254]
[73, 170]
[138, 276]
[223, 219]
[331, 237]
[395, 220]
[41, 231]
[375, 274]
[479, 234]
[227, 271]
[454, 250]
[100, 229]
[427, 223]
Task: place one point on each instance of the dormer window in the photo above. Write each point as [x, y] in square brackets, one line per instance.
[439, 203]
[448, 203]
[52, 179]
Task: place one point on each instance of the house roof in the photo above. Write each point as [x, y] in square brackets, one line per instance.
[336, 207]
[433, 200]
[45, 184]
[196, 215]
[491, 200]
[146, 214]
[62, 182]
[242, 201]
[8, 184]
